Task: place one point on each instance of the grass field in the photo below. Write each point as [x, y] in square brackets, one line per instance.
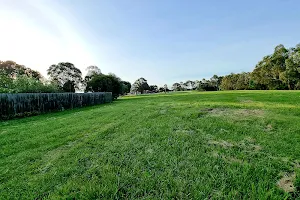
[209, 145]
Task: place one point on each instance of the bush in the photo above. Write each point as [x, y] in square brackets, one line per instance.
[25, 84]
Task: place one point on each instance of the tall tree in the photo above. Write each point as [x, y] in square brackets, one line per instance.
[189, 84]
[126, 86]
[65, 72]
[91, 70]
[215, 81]
[12, 69]
[140, 85]
[291, 76]
[268, 71]
[182, 85]
[176, 87]
[105, 83]
[69, 86]
[166, 88]
[153, 88]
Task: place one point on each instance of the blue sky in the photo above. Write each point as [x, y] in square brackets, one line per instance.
[164, 41]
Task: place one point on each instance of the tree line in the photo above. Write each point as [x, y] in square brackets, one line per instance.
[63, 77]
[278, 71]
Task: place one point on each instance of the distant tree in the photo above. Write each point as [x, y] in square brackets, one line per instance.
[12, 70]
[280, 70]
[166, 88]
[240, 81]
[105, 83]
[291, 75]
[215, 81]
[153, 88]
[196, 84]
[193, 85]
[161, 89]
[189, 84]
[176, 87]
[229, 81]
[126, 86]
[268, 72]
[91, 70]
[140, 85]
[182, 86]
[65, 72]
[116, 85]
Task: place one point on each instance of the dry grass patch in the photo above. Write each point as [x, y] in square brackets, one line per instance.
[286, 183]
[228, 159]
[221, 143]
[249, 144]
[248, 112]
[240, 113]
[268, 128]
[255, 147]
[233, 160]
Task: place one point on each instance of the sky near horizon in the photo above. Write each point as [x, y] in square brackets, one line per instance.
[164, 41]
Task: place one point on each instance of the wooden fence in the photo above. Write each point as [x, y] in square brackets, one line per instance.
[27, 104]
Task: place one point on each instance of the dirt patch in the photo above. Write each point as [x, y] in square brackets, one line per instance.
[286, 182]
[221, 143]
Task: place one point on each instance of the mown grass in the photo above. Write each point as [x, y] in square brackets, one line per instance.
[209, 145]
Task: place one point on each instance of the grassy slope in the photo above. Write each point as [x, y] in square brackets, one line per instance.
[156, 146]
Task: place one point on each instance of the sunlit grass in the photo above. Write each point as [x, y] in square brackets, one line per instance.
[187, 145]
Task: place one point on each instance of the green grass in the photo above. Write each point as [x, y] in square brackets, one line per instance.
[209, 145]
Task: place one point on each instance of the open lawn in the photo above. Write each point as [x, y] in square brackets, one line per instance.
[209, 145]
